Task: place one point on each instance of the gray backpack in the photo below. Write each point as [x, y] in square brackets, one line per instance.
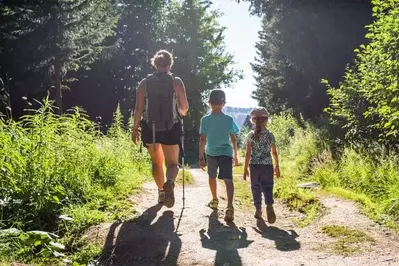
[161, 106]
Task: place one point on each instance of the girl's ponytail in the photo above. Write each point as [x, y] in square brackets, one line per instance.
[258, 128]
[259, 118]
[260, 124]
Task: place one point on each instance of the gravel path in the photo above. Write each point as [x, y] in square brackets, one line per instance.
[196, 235]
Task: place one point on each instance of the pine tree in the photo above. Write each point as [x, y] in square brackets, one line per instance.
[57, 36]
[301, 43]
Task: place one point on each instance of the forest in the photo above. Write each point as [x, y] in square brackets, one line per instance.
[327, 70]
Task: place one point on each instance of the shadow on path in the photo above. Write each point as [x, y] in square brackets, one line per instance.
[226, 240]
[284, 240]
[143, 242]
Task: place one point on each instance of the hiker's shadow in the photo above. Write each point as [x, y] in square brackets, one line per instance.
[226, 240]
[284, 240]
[144, 242]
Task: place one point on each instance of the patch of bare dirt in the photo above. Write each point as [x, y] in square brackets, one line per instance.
[196, 235]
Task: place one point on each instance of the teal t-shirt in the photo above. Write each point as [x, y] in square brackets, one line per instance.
[218, 128]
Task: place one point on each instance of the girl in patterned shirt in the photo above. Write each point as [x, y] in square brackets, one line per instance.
[260, 149]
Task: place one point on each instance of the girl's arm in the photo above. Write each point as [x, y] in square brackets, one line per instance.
[248, 154]
[275, 159]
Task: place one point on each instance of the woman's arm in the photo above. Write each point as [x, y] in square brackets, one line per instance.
[181, 96]
[138, 110]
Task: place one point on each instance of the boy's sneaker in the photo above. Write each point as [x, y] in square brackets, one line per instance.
[213, 204]
[168, 187]
[271, 216]
[258, 214]
[161, 196]
[229, 215]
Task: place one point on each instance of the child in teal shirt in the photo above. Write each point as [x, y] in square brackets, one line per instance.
[219, 143]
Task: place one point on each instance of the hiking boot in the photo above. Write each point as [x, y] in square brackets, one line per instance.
[161, 196]
[168, 187]
[213, 204]
[229, 215]
[271, 216]
[258, 214]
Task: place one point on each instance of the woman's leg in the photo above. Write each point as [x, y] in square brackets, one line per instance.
[157, 159]
[171, 153]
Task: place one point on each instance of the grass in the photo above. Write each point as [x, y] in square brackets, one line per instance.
[59, 176]
[348, 238]
[367, 176]
[370, 181]
[188, 177]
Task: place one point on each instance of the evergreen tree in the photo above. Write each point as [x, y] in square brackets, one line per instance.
[57, 36]
[301, 43]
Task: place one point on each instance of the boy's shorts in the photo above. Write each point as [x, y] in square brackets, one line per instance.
[223, 163]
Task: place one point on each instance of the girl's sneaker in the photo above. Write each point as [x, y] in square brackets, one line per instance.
[213, 204]
[258, 214]
[229, 215]
[271, 216]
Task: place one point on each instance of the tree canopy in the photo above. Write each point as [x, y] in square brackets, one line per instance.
[104, 48]
[366, 102]
[300, 44]
[55, 37]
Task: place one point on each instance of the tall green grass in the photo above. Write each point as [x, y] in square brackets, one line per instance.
[369, 176]
[298, 145]
[60, 174]
[371, 180]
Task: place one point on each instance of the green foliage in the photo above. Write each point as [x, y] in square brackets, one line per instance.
[55, 37]
[371, 182]
[197, 39]
[72, 30]
[295, 47]
[60, 174]
[365, 104]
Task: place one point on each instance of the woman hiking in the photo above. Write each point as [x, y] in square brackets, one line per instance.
[161, 101]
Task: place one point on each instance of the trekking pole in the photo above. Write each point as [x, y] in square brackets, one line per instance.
[182, 158]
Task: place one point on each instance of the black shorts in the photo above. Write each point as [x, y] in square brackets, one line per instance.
[170, 137]
[223, 163]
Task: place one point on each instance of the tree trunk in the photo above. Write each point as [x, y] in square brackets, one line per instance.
[57, 76]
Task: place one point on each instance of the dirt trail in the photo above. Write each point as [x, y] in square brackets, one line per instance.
[199, 236]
